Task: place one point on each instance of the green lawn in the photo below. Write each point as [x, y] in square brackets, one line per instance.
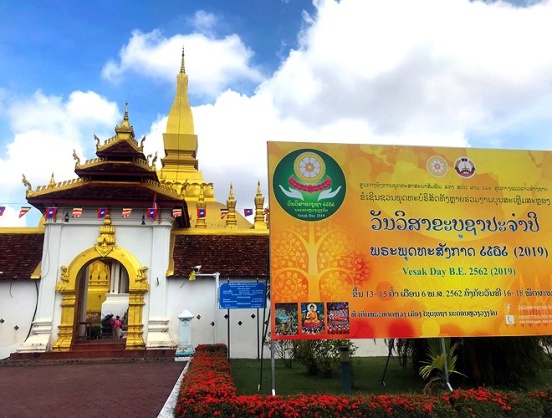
[368, 372]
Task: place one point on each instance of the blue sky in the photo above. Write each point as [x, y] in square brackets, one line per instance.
[429, 72]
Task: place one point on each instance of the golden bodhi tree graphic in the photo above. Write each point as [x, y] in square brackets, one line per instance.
[315, 262]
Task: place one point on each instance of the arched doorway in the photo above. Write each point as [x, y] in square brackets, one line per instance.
[122, 268]
[102, 295]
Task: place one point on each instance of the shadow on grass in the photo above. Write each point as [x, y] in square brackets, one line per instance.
[366, 379]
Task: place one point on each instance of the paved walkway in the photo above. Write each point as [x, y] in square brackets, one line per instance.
[87, 390]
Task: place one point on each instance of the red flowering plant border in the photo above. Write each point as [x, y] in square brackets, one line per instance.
[208, 390]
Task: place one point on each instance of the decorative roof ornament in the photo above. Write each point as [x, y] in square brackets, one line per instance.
[231, 221]
[106, 240]
[201, 210]
[76, 158]
[26, 183]
[259, 222]
[182, 66]
[52, 183]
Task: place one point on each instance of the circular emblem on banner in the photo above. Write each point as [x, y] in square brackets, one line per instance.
[464, 167]
[309, 185]
[437, 166]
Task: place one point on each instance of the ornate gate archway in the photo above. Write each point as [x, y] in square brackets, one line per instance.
[68, 288]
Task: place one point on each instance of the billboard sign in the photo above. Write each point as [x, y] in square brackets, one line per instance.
[242, 295]
[373, 241]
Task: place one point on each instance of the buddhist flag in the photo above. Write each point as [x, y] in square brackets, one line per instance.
[2, 209]
[201, 213]
[177, 213]
[152, 213]
[126, 212]
[77, 212]
[102, 212]
[24, 210]
[223, 213]
[247, 212]
[51, 212]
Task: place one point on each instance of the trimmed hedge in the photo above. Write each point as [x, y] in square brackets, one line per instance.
[208, 390]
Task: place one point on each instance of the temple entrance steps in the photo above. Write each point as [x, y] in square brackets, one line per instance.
[100, 350]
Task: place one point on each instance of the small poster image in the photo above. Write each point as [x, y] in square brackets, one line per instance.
[312, 318]
[286, 315]
[338, 318]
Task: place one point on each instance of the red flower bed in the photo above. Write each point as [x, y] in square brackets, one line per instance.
[208, 390]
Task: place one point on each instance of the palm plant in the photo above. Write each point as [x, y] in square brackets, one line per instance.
[434, 368]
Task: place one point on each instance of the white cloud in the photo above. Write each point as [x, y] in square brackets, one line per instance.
[216, 63]
[204, 22]
[45, 130]
[394, 72]
[430, 72]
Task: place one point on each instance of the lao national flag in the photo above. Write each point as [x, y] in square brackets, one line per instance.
[152, 213]
[248, 212]
[51, 212]
[2, 209]
[24, 210]
[102, 212]
[177, 213]
[201, 213]
[77, 212]
[126, 212]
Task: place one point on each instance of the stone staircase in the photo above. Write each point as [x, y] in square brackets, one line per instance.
[96, 351]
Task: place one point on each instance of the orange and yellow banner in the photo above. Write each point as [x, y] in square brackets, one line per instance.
[372, 241]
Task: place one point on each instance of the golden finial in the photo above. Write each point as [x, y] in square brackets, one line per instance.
[76, 158]
[259, 222]
[52, 183]
[26, 183]
[231, 220]
[182, 67]
[201, 208]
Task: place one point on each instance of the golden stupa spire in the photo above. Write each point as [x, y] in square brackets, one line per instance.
[201, 207]
[231, 221]
[180, 120]
[259, 222]
[180, 165]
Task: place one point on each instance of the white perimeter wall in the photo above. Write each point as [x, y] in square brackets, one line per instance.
[198, 297]
[17, 304]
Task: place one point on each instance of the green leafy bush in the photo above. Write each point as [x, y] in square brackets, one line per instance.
[321, 357]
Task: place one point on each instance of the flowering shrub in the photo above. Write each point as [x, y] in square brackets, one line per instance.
[208, 390]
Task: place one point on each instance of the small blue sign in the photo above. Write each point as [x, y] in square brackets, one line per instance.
[242, 295]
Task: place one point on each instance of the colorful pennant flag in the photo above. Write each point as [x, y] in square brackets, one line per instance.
[51, 212]
[77, 212]
[266, 211]
[24, 210]
[177, 213]
[223, 213]
[192, 275]
[102, 212]
[248, 212]
[2, 209]
[126, 212]
[152, 213]
[201, 213]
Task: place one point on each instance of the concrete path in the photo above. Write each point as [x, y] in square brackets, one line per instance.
[87, 390]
